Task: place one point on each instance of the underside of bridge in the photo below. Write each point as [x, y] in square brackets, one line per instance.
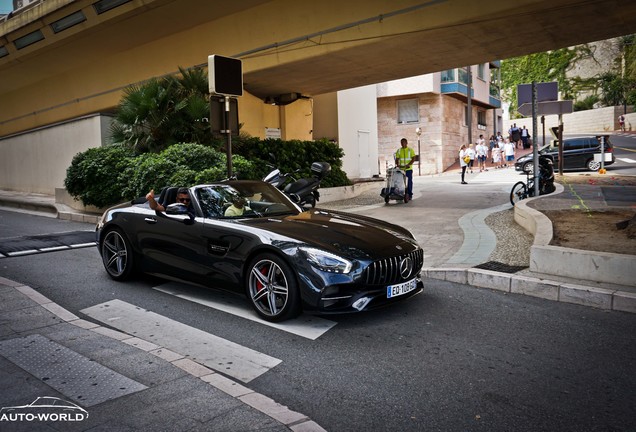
[287, 46]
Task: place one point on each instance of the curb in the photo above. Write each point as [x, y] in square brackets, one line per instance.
[293, 420]
[605, 267]
[599, 298]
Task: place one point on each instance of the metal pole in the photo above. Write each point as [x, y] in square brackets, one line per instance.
[602, 170]
[469, 102]
[419, 157]
[535, 151]
[418, 132]
[543, 125]
[560, 139]
[228, 149]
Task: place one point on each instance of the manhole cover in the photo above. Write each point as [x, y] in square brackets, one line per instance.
[500, 267]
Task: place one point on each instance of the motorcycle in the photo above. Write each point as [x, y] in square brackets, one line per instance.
[304, 191]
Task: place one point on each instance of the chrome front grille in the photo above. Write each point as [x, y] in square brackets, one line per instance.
[394, 269]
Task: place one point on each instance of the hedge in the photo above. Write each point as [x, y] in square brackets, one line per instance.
[105, 176]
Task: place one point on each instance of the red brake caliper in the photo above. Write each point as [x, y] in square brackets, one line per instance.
[259, 285]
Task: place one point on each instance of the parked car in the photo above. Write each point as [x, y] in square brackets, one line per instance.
[578, 153]
[284, 259]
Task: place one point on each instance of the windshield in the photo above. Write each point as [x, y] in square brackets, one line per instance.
[239, 199]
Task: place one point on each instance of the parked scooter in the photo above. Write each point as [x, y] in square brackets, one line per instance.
[304, 191]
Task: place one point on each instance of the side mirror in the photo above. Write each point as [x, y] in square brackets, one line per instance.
[179, 209]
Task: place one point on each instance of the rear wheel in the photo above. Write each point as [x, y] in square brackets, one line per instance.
[272, 288]
[117, 255]
[518, 192]
[592, 165]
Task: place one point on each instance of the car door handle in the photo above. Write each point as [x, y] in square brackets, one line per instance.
[150, 220]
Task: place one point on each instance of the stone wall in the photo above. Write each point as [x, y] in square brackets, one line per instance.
[589, 121]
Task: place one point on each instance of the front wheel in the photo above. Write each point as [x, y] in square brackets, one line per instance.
[528, 167]
[117, 255]
[272, 288]
[518, 192]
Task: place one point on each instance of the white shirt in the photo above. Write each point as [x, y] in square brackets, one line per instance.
[509, 149]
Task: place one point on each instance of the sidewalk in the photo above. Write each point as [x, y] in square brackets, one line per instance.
[46, 351]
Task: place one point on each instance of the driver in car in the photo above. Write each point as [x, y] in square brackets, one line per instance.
[183, 197]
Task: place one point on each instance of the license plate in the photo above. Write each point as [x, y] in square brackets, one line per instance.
[400, 289]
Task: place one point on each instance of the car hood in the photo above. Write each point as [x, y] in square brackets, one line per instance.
[342, 233]
[543, 150]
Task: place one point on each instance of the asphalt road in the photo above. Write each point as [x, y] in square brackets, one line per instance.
[452, 358]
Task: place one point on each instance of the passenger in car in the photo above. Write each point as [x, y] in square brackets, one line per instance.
[237, 208]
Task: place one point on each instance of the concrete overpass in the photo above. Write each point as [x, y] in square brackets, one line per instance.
[287, 46]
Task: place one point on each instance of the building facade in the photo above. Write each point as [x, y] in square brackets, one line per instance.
[436, 113]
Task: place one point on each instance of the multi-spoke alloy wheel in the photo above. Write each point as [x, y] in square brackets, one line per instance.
[272, 288]
[116, 255]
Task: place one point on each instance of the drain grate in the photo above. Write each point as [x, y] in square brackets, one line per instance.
[500, 267]
[81, 379]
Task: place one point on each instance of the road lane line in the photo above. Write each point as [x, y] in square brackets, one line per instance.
[627, 160]
[307, 326]
[212, 351]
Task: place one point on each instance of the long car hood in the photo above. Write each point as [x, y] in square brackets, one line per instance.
[342, 233]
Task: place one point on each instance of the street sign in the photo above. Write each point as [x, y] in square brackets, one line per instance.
[225, 76]
[218, 120]
[547, 108]
[546, 92]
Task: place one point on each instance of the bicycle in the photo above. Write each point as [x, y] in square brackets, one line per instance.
[522, 190]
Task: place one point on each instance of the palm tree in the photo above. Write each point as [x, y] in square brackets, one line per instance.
[160, 112]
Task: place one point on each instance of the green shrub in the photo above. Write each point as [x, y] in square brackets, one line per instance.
[293, 155]
[107, 175]
[94, 175]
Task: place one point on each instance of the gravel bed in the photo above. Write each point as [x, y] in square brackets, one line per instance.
[513, 241]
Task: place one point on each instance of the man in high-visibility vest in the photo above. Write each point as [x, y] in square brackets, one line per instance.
[404, 158]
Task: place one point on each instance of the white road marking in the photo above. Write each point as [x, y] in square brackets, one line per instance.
[212, 351]
[627, 160]
[307, 326]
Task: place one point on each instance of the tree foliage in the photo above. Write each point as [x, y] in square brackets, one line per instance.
[611, 88]
[161, 112]
[541, 67]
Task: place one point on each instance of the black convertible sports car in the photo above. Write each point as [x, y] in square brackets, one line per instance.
[284, 259]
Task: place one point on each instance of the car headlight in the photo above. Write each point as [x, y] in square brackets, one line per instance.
[326, 261]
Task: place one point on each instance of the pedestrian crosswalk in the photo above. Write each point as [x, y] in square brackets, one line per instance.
[221, 355]
[307, 326]
[626, 160]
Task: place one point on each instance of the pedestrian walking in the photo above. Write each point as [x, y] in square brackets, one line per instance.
[515, 134]
[472, 155]
[621, 122]
[492, 142]
[525, 137]
[404, 158]
[496, 155]
[482, 154]
[463, 160]
[509, 153]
